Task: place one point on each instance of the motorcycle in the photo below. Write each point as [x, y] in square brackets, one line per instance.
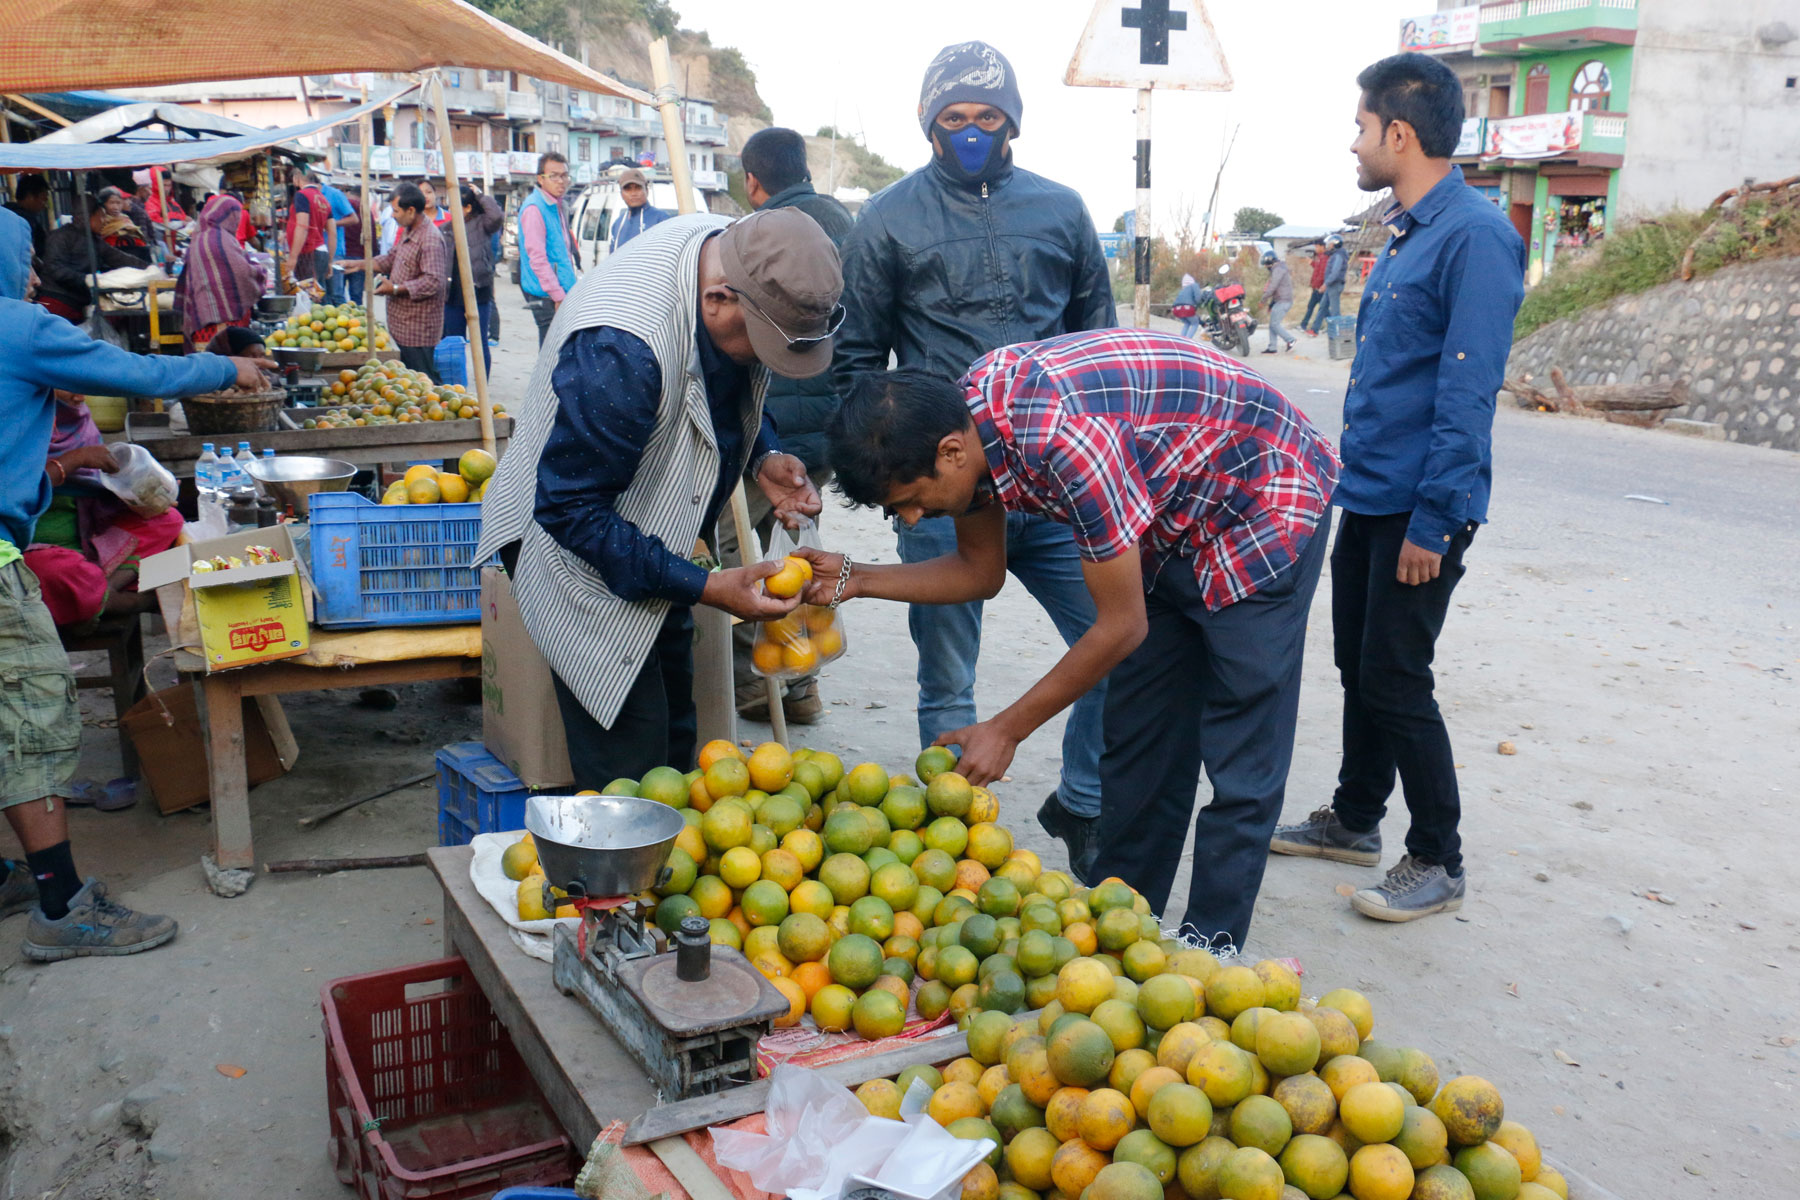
[1226, 318]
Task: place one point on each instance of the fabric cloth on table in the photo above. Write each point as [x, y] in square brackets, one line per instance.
[219, 285]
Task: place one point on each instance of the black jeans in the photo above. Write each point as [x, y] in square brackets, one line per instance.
[1384, 634]
[543, 311]
[1313, 302]
[421, 358]
[1213, 689]
[456, 323]
[655, 728]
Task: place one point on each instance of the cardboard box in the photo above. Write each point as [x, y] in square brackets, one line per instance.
[245, 615]
[520, 721]
[171, 745]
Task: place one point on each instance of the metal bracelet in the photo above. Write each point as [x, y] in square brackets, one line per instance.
[837, 595]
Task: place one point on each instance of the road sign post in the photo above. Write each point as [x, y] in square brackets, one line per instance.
[1147, 44]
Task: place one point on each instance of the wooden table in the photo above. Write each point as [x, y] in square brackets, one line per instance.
[368, 658]
[364, 445]
[589, 1079]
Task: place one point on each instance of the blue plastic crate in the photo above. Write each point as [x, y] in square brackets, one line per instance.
[451, 358]
[476, 794]
[394, 564]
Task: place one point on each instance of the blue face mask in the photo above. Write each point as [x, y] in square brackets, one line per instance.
[974, 155]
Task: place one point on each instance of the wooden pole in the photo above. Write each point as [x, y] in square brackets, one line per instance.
[667, 102]
[463, 267]
[371, 229]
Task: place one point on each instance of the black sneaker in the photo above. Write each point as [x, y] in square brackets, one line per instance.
[18, 888]
[1080, 834]
[1412, 889]
[94, 925]
[1322, 835]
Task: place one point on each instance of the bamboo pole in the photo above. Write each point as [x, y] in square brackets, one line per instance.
[463, 267]
[370, 234]
[667, 102]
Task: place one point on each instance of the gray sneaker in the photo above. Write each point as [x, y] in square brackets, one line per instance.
[94, 925]
[1322, 835]
[18, 890]
[1412, 889]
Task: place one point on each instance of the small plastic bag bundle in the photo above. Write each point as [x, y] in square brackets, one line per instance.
[806, 639]
[146, 486]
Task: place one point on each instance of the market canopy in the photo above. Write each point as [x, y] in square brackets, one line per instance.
[104, 142]
[63, 45]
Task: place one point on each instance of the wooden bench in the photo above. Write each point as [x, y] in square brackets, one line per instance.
[123, 640]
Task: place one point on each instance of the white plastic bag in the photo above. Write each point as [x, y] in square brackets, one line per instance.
[806, 639]
[146, 486]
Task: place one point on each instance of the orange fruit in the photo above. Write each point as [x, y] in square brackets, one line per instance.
[796, 998]
[954, 1101]
[1064, 1111]
[1380, 1172]
[727, 777]
[771, 767]
[811, 977]
[716, 749]
[765, 656]
[832, 1006]
[794, 575]
[1105, 1117]
[1074, 1166]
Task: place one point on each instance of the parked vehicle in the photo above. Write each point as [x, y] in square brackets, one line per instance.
[599, 205]
[1225, 317]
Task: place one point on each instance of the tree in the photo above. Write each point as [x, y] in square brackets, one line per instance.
[1254, 222]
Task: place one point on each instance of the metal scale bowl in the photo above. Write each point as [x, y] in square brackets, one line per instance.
[692, 1018]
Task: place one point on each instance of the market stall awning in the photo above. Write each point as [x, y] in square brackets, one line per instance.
[207, 138]
[62, 45]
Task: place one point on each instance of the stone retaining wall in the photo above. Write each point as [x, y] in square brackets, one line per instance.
[1734, 335]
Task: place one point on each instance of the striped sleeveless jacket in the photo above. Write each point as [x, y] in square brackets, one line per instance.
[595, 641]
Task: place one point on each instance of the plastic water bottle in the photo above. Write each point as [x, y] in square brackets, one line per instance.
[244, 456]
[207, 476]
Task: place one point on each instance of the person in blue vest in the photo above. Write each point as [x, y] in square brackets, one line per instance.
[639, 213]
[551, 258]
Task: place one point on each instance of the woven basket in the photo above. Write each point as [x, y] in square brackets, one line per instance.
[234, 412]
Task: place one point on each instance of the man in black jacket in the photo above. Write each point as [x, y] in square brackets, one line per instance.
[776, 176]
[72, 252]
[962, 256]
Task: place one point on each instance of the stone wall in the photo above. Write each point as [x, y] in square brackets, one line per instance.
[1733, 335]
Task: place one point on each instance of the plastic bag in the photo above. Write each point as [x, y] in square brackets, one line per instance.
[806, 639]
[811, 1121]
[146, 486]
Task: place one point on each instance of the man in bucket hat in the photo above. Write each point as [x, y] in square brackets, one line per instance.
[645, 409]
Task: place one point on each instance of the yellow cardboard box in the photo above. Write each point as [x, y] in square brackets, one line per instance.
[244, 615]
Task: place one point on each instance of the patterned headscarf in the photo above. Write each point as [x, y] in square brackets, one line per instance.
[219, 282]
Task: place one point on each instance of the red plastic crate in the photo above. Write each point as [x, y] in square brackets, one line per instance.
[428, 1098]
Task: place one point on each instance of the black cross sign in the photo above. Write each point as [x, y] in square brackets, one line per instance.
[1153, 21]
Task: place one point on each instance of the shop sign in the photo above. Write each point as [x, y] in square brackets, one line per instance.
[1469, 144]
[1547, 135]
[1448, 30]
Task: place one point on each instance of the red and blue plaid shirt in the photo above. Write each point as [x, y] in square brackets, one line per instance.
[1138, 438]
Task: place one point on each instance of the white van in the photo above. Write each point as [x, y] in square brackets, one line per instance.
[599, 205]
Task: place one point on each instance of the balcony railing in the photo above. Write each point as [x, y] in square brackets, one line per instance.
[704, 131]
[712, 181]
[1531, 25]
[524, 105]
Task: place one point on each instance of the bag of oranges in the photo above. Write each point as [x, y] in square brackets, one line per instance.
[806, 639]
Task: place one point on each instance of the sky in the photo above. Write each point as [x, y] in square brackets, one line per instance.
[1294, 63]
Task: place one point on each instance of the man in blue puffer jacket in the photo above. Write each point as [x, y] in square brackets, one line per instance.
[40, 722]
[962, 256]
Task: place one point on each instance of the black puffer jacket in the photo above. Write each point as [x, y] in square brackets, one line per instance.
[801, 408]
[941, 273]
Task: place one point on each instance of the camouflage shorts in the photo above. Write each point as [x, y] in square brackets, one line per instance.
[40, 720]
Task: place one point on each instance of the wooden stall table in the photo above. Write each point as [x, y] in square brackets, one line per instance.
[358, 659]
[589, 1079]
[365, 446]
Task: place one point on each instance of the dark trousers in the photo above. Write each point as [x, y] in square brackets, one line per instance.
[421, 358]
[657, 725]
[1330, 305]
[456, 322]
[353, 286]
[1384, 634]
[1313, 302]
[1213, 689]
[543, 311]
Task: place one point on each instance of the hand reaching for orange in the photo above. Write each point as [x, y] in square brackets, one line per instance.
[794, 575]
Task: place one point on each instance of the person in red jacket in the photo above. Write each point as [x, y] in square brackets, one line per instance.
[1318, 291]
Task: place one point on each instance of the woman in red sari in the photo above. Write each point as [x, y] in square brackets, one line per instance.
[219, 286]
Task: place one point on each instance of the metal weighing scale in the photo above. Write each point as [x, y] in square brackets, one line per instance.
[691, 1017]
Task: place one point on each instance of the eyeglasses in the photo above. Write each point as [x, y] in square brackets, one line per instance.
[834, 322]
[556, 174]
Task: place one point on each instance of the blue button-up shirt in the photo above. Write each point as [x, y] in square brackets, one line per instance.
[1432, 336]
[608, 389]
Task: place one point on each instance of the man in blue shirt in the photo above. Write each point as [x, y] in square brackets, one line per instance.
[341, 211]
[639, 214]
[1432, 336]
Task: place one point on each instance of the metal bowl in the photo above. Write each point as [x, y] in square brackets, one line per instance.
[601, 846]
[276, 305]
[308, 358]
[295, 479]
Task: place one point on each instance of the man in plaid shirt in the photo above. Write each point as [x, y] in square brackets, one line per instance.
[418, 272]
[1195, 491]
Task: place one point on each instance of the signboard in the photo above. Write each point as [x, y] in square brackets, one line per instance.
[1469, 144]
[1112, 244]
[1452, 29]
[1547, 135]
[1149, 43]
